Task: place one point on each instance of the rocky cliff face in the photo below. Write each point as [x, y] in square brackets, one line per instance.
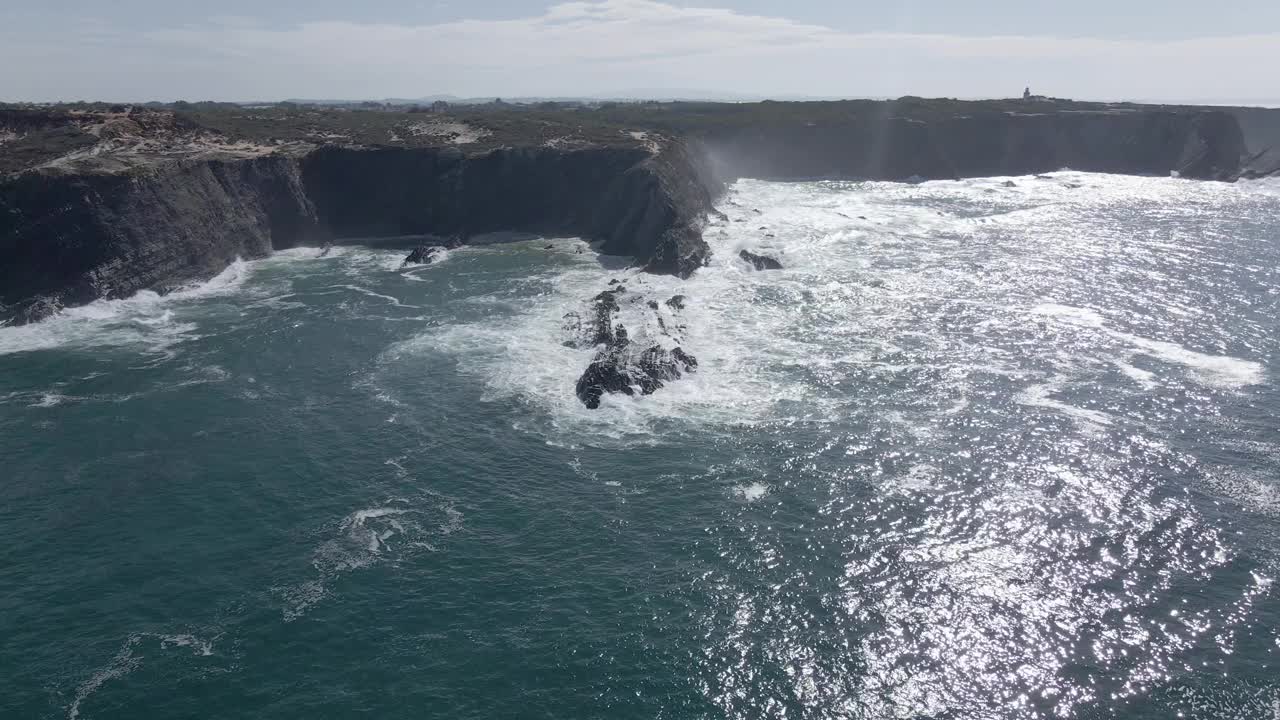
[1261, 128]
[648, 205]
[122, 215]
[71, 239]
[1202, 145]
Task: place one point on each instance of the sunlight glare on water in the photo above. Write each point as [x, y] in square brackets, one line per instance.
[999, 448]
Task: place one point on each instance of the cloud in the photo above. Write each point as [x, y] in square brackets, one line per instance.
[610, 45]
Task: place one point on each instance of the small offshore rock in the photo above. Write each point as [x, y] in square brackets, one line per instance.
[422, 255]
[760, 262]
[676, 302]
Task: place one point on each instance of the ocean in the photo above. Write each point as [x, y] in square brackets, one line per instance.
[998, 448]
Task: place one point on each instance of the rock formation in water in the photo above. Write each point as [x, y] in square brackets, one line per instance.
[759, 262]
[621, 365]
[422, 255]
[103, 204]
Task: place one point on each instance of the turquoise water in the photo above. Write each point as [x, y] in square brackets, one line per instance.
[977, 452]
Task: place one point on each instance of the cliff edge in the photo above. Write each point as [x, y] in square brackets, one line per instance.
[104, 203]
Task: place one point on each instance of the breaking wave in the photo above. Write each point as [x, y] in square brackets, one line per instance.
[146, 321]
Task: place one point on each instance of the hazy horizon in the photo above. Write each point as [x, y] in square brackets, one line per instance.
[146, 50]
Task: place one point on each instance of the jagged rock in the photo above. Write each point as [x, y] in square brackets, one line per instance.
[619, 366]
[603, 375]
[423, 255]
[690, 362]
[760, 262]
[617, 370]
[604, 307]
[676, 302]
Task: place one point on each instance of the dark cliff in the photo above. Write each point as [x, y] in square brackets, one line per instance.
[1261, 128]
[69, 237]
[1200, 145]
[103, 204]
[644, 204]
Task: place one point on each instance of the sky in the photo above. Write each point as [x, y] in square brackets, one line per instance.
[242, 50]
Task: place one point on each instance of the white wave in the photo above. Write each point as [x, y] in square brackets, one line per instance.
[919, 478]
[751, 492]
[1069, 314]
[201, 646]
[366, 291]
[126, 661]
[1269, 186]
[1042, 396]
[51, 400]
[1144, 378]
[122, 664]
[145, 320]
[876, 279]
[387, 533]
[1216, 370]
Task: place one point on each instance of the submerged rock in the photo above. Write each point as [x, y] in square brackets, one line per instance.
[676, 302]
[760, 262]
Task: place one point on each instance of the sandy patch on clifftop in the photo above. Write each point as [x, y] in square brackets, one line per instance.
[649, 141]
[455, 132]
[122, 153]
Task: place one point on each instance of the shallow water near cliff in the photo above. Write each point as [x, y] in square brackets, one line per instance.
[980, 450]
